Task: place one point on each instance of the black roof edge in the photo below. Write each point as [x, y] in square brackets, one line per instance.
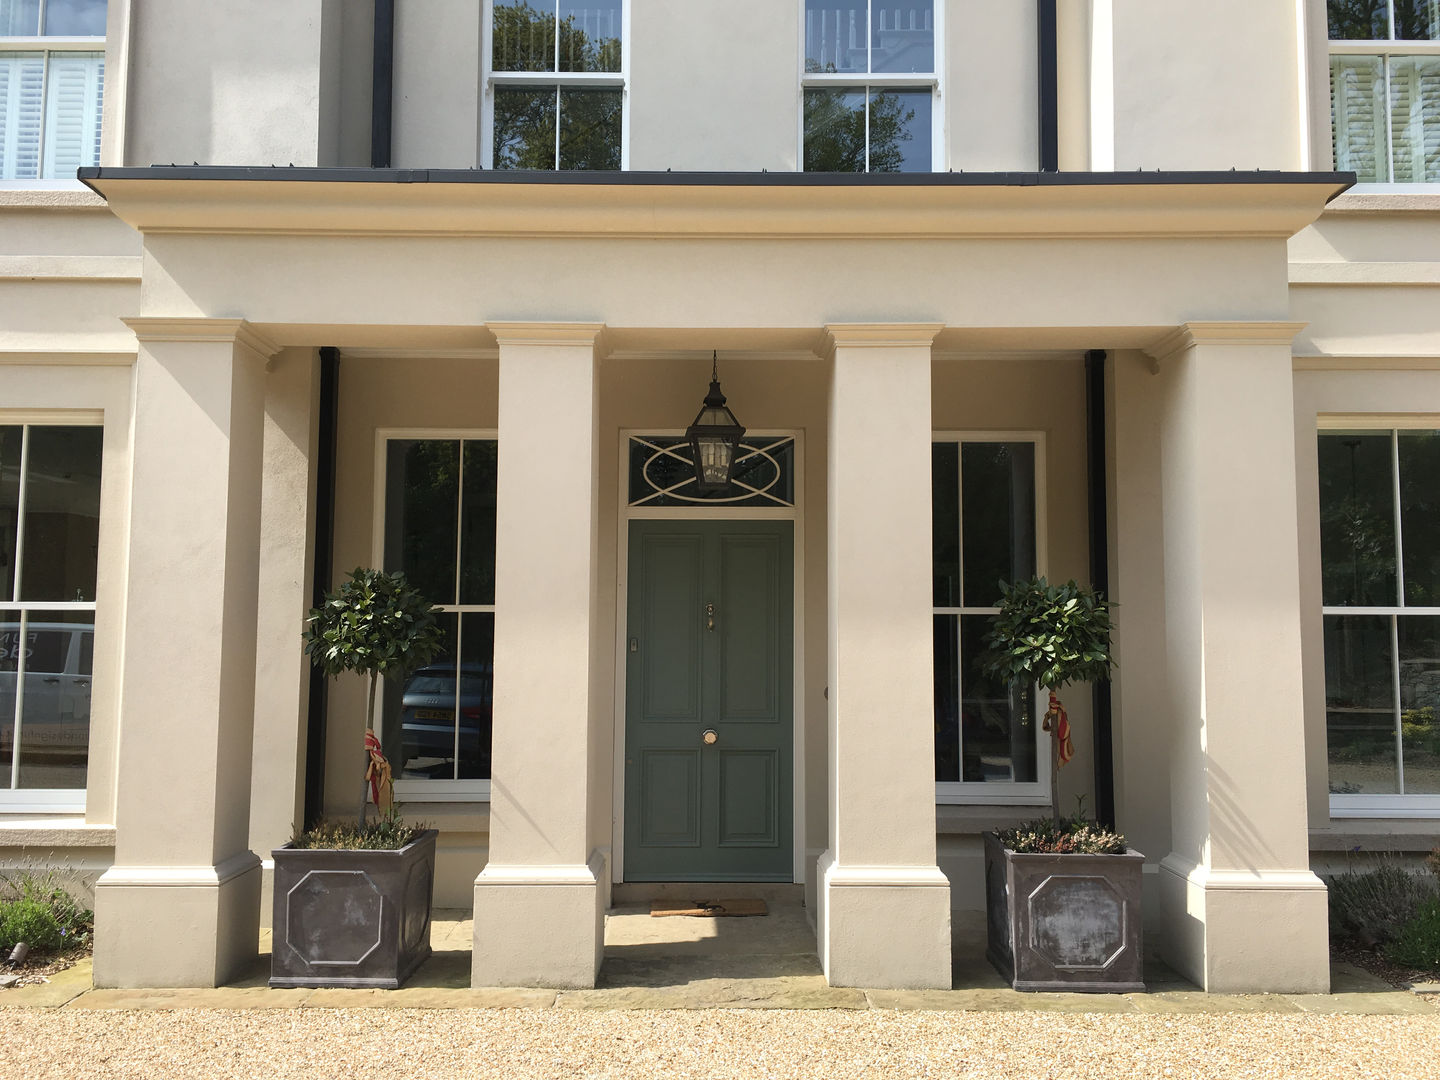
[309, 174]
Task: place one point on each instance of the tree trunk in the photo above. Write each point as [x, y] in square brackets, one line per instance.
[369, 726]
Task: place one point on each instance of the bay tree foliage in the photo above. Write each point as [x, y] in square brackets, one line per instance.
[1052, 636]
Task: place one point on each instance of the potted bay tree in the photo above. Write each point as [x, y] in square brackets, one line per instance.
[1062, 894]
[352, 898]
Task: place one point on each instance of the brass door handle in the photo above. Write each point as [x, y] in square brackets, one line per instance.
[709, 616]
[710, 737]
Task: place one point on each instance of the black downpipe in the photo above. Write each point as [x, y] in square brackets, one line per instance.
[382, 85]
[1048, 39]
[325, 456]
[1095, 439]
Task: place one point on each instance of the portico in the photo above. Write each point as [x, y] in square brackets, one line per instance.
[557, 321]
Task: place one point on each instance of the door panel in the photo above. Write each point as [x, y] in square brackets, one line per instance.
[670, 808]
[749, 632]
[670, 582]
[748, 793]
[710, 625]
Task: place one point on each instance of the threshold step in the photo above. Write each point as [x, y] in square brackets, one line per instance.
[639, 892]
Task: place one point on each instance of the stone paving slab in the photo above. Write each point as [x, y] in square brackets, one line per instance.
[431, 997]
[1197, 1001]
[220, 997]
[719, 994]
[1391, 1003]
[63, 986]
[971, 1000]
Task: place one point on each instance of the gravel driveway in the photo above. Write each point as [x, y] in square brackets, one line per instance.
[516, 1044]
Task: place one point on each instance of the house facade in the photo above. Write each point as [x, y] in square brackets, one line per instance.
[1134, 293]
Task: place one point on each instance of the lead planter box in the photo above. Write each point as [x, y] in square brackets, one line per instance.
[1064, 922]
[352, 918]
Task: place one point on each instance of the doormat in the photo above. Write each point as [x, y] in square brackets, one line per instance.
[707, 909]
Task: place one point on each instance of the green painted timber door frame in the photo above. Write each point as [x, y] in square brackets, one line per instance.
[709, 649]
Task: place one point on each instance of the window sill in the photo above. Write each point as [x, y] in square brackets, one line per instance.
[1385, 198]
[1390, 807]
[963, 820]
[1377, 835]
[48, 195]
[442, 791]
[54, 832]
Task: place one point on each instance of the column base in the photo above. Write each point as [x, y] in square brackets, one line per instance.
[177, 926]
[1243, 931]
[885, 927]
[539, 925]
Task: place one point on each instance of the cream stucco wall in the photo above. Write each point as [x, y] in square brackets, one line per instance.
[235, 83]
[990, 96]
[714, 85]
[436, 118]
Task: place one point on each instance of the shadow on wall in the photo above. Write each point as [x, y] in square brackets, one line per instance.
[1230, 819]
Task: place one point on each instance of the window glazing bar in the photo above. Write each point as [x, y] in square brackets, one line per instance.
[20, 650]
[1395, 687]
[22, 495]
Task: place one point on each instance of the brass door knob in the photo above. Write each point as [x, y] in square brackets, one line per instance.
[710, 738]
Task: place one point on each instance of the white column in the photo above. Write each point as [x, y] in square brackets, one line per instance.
[180, 907]
[539, 918]
[1241, 909]
[884, 905]
[282, 671]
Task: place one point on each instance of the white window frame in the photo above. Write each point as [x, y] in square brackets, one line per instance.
[1377, 805]
[975, 793]
[46, 45]
[880, 81]
[491, 79]
[16, 800]
[427, 791]
[1385, 48]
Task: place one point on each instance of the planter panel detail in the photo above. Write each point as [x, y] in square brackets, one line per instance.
[1064, 922]
[352, 918]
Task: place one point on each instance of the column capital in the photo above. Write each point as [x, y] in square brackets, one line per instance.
[218, 331]
[880, 335]
[1190, 334]
[546, 333]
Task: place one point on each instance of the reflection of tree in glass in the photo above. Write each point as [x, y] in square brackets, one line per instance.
[525, 117]
[1358, 20]
[432, 482]
[835, 132]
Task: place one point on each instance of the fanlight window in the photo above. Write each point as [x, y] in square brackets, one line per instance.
[662, 473]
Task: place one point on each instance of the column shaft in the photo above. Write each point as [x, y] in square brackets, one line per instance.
[1243, 912]
[180, 907]
[884, 916]
[538, 915]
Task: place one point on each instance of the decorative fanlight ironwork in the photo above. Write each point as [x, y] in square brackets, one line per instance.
[714, 438]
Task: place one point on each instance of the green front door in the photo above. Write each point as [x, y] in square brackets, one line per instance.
[708, 687]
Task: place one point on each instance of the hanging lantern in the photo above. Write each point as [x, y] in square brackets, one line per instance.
[714, 438]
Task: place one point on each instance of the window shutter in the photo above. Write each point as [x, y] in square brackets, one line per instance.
[1415, 119]
[22, 78]
[1357, 94]
[72, 112]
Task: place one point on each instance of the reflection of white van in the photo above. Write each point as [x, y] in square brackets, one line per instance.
[59, 658]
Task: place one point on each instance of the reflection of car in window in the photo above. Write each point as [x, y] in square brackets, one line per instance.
[55, 714]
[432, 744]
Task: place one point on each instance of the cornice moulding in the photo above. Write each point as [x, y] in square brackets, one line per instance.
[1192, 334]
[546, 333]
[218, 331]
[291, 207]
[881, 335]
